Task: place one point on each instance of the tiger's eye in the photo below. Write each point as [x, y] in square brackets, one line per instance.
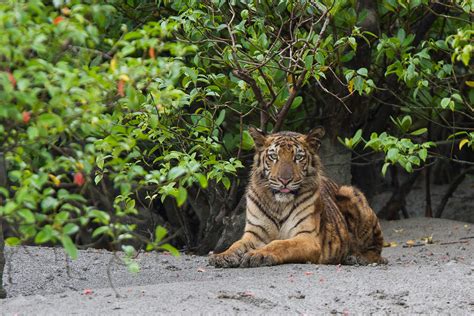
[273, 156]
[299, 156]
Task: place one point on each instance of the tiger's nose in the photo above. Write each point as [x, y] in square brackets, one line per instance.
[285, 180]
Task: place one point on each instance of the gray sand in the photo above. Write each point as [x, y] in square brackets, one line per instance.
[435, 278]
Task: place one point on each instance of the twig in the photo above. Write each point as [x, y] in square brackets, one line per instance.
[286, 107]
[109, 276]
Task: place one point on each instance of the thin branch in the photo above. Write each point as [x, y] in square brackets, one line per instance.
[286, 107]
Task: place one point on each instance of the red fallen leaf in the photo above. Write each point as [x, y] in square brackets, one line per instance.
[308, 273]
[26, 116]
[338, 268]
[321, 280]
[12, 79]
[58, 20]
[79, 179]
[87, 292]
[201, 270]
[151, 52]
[121, 88]
[345, 312]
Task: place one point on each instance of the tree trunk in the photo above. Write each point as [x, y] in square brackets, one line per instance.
[336, 161]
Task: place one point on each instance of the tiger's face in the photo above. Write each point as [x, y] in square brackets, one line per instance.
[286, 161]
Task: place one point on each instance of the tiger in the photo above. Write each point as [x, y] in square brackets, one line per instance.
[296, 214]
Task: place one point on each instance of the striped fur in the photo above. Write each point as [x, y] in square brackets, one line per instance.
[296, 214]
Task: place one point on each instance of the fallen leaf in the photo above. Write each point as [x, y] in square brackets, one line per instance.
[428, 239]
[201, 270]
[400, 230]
[308, 273]
[410, 243]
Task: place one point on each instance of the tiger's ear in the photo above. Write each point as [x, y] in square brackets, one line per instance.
[313, 138]
[258, 136]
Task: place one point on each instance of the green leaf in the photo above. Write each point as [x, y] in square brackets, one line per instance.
[44, 235]
[133, 266]
[296, 102]
[181, 196]
[406, 123]
[27, 215]
[160, 233]
[384, 168]
[220, 118]
[32, 132]
[129, 250]
[226, 182]
[70, 228]
[12, 241]
[49, 203]
[171, 249]
[423, 153]
[419, 131]
[202, 180]
[100, 231]
[69, 246]
[445, 102]
[176, 172]
[247, 141]
[363, 72]
[392, 154]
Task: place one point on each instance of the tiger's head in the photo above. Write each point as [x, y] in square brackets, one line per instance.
[286, 162]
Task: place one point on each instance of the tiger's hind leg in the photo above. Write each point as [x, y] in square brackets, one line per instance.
[364, 226]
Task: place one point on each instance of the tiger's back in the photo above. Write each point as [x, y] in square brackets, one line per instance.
[294, 213]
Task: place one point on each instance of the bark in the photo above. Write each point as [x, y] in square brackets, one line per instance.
[336, 160]
[397, 201]
[452, 187]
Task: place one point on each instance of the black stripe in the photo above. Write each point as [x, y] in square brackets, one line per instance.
[259, 226]
[300, 221]
[303, 209]
[306, 232]
[295, 207]
[261, 209]
[256, 235]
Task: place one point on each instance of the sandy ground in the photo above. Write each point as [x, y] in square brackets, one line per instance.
[434, 278]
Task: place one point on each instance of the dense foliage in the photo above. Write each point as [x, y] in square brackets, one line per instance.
[115, 110]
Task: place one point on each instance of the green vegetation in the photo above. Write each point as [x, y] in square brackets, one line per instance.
[112, 110]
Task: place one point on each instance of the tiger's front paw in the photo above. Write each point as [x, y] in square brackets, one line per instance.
[225, 260]
[257, 259]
